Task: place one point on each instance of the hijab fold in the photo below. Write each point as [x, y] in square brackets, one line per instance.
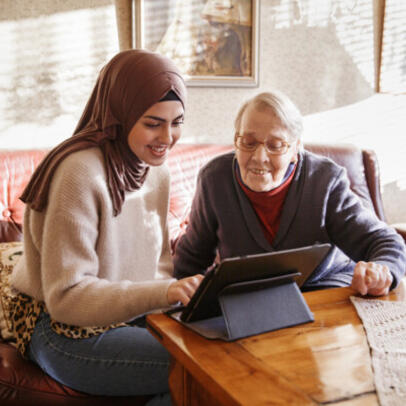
[127, 86]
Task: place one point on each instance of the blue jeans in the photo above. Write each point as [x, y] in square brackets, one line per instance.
[126, 361]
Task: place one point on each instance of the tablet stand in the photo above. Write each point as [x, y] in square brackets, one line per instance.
[254, 307]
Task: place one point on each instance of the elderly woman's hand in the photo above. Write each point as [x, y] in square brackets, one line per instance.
[371, 278]
[183, 289]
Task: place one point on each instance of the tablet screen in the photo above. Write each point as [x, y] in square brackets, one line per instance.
[204, 303]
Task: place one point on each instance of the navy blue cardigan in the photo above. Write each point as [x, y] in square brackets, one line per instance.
[319, 208]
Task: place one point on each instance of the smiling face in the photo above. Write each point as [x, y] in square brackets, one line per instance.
[260, 170]
[157, 130]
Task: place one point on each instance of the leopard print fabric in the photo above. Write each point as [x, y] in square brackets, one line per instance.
[21, 312]
[24, 313]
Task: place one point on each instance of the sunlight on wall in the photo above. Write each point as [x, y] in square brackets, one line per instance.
[48, 67]
[376, 123]
[351, 20]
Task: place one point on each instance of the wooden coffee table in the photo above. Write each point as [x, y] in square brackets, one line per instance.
[325, 362]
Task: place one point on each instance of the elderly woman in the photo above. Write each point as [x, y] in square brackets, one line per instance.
[271, 195]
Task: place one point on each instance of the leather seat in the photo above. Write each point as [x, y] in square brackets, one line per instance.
[23, 383]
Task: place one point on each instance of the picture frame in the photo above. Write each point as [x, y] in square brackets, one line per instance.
[213, 42]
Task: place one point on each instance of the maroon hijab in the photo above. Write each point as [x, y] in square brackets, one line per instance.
[127, 86]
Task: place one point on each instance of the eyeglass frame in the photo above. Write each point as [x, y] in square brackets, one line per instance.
[286, 145]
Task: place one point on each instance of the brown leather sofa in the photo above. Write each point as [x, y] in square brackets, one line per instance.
[22, 382]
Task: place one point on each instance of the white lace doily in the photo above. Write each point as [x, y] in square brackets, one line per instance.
[385, 326]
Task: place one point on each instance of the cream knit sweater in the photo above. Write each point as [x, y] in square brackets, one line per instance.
[90, 268]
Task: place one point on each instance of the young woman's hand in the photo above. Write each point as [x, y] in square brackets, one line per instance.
[183, 289]
[371, 278]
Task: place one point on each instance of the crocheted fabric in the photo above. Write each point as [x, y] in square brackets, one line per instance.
[385, 326]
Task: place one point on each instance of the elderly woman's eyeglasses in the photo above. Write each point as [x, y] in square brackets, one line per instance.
[249, 143]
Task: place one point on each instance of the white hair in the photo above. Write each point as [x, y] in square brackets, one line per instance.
[281, 106]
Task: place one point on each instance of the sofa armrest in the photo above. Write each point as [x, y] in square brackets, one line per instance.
[10, 231]
[401, 229]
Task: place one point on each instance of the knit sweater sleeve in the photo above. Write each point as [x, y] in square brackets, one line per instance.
[359, 233]
[73, 289]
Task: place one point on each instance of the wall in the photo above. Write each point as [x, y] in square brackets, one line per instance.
[323, 55]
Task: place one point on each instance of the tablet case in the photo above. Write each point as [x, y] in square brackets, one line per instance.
[204, 303]
[254, 307]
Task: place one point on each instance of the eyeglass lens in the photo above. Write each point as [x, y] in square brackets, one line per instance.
[272, 145]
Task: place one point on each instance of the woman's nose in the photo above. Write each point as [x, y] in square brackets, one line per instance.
[166, 134]
[261, 153]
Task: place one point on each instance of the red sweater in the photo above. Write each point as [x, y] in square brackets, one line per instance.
[268, 205]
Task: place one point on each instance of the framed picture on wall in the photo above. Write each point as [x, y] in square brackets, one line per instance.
[213, 42]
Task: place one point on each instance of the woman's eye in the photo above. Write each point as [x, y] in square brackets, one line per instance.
[177, 123]
[275, 144]
[151, 125]
[249, 142]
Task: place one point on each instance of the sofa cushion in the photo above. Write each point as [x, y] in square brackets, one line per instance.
[10, 253]
[16, 168]
[185, 161]
[362, 171]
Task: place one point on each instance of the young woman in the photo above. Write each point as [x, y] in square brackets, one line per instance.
[96, 251]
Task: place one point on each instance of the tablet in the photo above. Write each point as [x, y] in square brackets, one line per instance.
[303, 261]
